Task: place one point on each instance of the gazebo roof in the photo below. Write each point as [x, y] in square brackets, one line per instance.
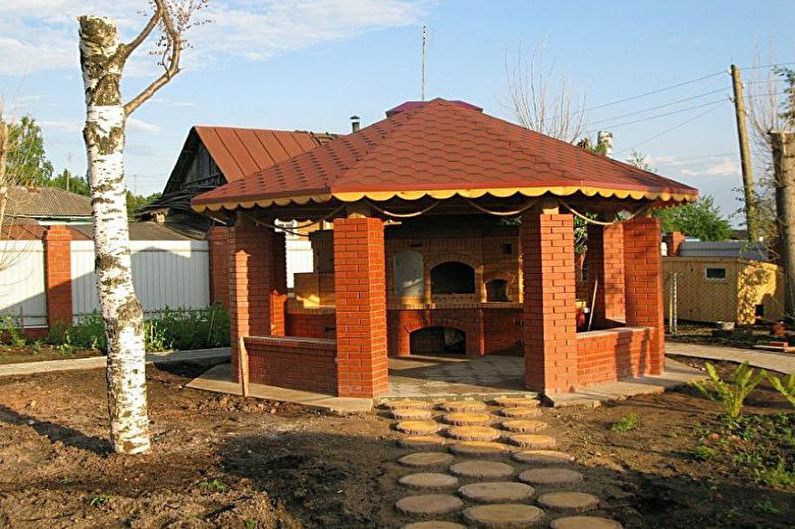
[441, 149]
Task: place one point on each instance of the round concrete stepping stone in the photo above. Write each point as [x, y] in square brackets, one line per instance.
[535, 441]
[429, 504]
[516, 402]
[473, 433]
[428, 480]
[462, 405]
[551, 476]
[467, 418]
[418, 427]
[434, 525]
[569, 502]
[543, 457]
[426, 459]
[497, 492]
[520, 413]
[411, 414]
[407, 404]
[422, 442]
[585, 522]
[523, 426]
[504, 516]
[478, 448]
[482, 469]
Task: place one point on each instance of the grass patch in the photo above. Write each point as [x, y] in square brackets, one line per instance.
[213, 485]
[627, 423]
[99, 500]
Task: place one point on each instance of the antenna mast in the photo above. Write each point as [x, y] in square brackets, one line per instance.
[424, 45]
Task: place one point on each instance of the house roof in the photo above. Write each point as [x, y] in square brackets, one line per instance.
[139, 231]
[441, 149]
[47, 202]
[239, 152]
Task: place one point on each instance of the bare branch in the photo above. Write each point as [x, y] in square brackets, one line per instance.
[125, 50]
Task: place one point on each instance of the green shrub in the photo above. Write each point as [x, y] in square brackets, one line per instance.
[626, 423]
[194, 329]
[732, 394]
[10, 333]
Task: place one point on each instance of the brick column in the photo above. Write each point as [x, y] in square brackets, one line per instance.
[549, 324]
[250, 276]
[606, 270]
[218, 245]
[673, 241]
[58, 275]
[360, 284]
[644, 286]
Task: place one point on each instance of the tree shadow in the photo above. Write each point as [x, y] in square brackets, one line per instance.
[56, 432]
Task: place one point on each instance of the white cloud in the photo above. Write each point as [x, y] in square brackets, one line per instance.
[144, 126]
[724, 167]
[41, 35]
[67, 125]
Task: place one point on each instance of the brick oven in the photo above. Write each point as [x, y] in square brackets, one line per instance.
[451, 232]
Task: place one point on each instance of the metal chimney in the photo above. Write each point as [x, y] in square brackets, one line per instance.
[355, 123]
[604, 139]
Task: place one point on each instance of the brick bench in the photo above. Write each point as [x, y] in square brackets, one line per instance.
[613, 354]
[308, 364]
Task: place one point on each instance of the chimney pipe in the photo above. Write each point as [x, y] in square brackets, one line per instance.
[355, 123]
[604, 139]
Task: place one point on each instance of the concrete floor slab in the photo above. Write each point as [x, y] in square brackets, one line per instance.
[770, 360]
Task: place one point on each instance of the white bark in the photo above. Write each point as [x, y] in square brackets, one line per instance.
[121, 312]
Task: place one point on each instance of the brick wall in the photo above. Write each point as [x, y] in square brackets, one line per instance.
[360, 287]
[644, 282]
[58, 275]
[307, 364]
[402, 322]
[614, 354]
[312, 324]
[218, 247]
[549, 325]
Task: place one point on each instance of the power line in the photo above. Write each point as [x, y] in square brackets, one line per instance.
[682, 124]
[686, 109]
[656, 91]
[671, 103]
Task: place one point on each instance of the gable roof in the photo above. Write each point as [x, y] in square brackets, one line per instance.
[441, 149]
[47, 202]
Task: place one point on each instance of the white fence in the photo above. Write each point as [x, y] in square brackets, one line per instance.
[22, 282]
[171, 274]
[299, 258]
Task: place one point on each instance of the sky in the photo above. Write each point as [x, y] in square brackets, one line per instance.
[311, 64]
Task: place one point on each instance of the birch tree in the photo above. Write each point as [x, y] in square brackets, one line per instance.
[102, 59]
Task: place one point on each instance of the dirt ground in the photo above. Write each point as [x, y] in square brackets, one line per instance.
[230, 462]
[38, 353]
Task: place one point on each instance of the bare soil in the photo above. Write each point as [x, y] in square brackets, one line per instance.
[221, 461]
[38, 353]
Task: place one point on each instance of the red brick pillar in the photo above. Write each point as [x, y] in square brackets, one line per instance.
[606, 271]
[58, 275]
[250, 276]
[360, 284]
[218, 246]
[549, 320]
[644, 287]
[673, 241]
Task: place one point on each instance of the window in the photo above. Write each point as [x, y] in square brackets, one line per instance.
[452, 278]
[507, 249]
[497, 290]
[715, 273]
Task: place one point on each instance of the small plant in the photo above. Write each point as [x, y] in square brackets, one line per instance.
[626, 424]
[99, 500]
[213, 485]
[732, 394]
[766, 506]
[250, 524]
[784, 386]
[703, 453]
[10, 333]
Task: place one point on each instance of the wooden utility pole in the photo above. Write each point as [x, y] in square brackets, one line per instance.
[783, 143]
[745, 154]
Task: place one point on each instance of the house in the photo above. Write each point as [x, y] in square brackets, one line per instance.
[419, 241]
[732, 281]
[47, 206]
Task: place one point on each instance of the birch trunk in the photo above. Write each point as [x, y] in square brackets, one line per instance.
[102, 66]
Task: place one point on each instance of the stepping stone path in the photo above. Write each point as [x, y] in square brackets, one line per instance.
[429, 504]
[520, 413]
[569, 502]
[533, 441]
[499, 499]
[551, 476]
[543, 457]
[523, 426]
[497, 492]
[462, 405]
[585, 522]
[426, 459]
[473, 433]
[429, 480]
[418, 427]
[467, 418]
[482, 469]
[504, 515]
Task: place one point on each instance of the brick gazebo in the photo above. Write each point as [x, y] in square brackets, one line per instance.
[452, 231]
